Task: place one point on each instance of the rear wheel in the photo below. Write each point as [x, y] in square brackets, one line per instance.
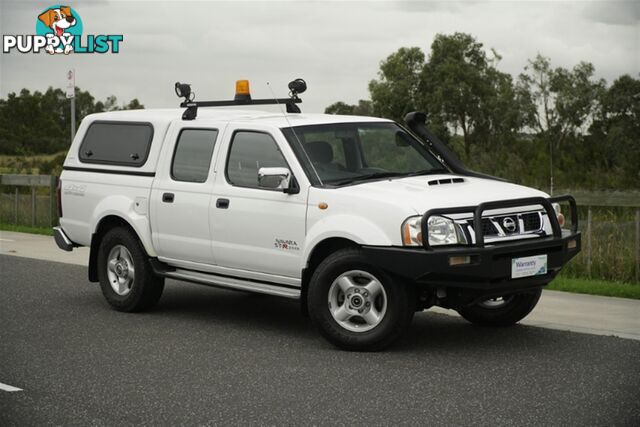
[126, 278]
[501, 311]
[354, 305]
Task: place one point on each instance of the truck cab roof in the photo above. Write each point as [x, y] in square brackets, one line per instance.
[276, 119]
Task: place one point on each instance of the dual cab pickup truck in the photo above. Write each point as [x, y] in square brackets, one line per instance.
[360, 219]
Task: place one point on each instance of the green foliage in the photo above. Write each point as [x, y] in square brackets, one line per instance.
[595, 287]
[456, 84]
[363, 108]
[549, 118]
[40, 123]
[612, 245]
[397, 91]
[615, 132]
[47, 231]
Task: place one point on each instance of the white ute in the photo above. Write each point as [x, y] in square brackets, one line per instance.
[362, 220]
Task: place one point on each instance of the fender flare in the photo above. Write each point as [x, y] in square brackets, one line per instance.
[124, 208]
[355, 228]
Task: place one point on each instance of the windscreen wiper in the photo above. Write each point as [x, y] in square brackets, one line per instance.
[377, 175]
[429, 172]
[363, 178]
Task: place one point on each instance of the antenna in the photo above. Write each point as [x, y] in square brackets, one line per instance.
[289, 123]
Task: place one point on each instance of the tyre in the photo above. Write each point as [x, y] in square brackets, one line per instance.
[126, 278]
[356, 306]
[503, 311]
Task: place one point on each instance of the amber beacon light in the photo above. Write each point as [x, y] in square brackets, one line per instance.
[242, 91]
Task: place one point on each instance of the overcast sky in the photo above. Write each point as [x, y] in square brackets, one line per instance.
[335, 46]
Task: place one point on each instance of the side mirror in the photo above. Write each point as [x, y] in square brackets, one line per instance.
[274, 178]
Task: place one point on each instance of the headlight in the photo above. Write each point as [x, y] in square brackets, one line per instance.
[441, 230]
[559, 215]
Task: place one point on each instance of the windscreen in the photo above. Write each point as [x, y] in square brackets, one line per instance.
[343, 153]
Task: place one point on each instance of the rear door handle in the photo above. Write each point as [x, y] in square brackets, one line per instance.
[168, 197]
[222, 203]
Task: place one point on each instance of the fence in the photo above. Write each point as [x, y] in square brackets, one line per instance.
[610, 225]
[28, 200]
[609, 221]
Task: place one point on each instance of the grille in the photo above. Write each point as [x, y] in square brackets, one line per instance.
[531, 221]
[488, 229]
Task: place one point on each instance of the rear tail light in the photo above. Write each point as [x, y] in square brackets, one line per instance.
[59, 197]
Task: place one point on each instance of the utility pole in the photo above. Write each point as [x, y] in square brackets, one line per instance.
[551, 167]
[71, 94]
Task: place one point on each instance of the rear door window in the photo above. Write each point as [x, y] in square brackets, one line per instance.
[117, 143]
[192, 157]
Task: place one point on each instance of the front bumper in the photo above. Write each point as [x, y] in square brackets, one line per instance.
[489, 271]
[490, 267]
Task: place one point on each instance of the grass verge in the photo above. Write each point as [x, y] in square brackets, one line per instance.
[595, 287]
[26, 229]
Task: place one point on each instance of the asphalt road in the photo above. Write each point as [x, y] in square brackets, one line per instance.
[208, 356]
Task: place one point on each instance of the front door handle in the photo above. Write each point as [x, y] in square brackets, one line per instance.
[222, 203]
[168, 197]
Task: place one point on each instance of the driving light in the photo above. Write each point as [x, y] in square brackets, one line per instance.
[183, 90]
[297, 86]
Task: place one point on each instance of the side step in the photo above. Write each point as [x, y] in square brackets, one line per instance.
[226, 282]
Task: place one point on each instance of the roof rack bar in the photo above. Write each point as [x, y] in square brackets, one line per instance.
[232, 102]
[243, 97]
[192, 106]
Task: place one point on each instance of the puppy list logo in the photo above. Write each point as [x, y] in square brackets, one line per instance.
[59, 30]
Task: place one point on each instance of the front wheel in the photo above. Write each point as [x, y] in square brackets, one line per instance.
[501, 311]
[355, 305]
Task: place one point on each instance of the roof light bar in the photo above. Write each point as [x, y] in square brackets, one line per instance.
[242, 97]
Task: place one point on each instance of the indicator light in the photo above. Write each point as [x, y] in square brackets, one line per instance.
[459, 260]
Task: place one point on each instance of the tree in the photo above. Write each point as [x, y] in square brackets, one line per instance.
[396, 93]
[615, 132]
[560, 101]
[134, 104]
[363, 108]
[511, 127]
[39, 122]
[459, 84]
